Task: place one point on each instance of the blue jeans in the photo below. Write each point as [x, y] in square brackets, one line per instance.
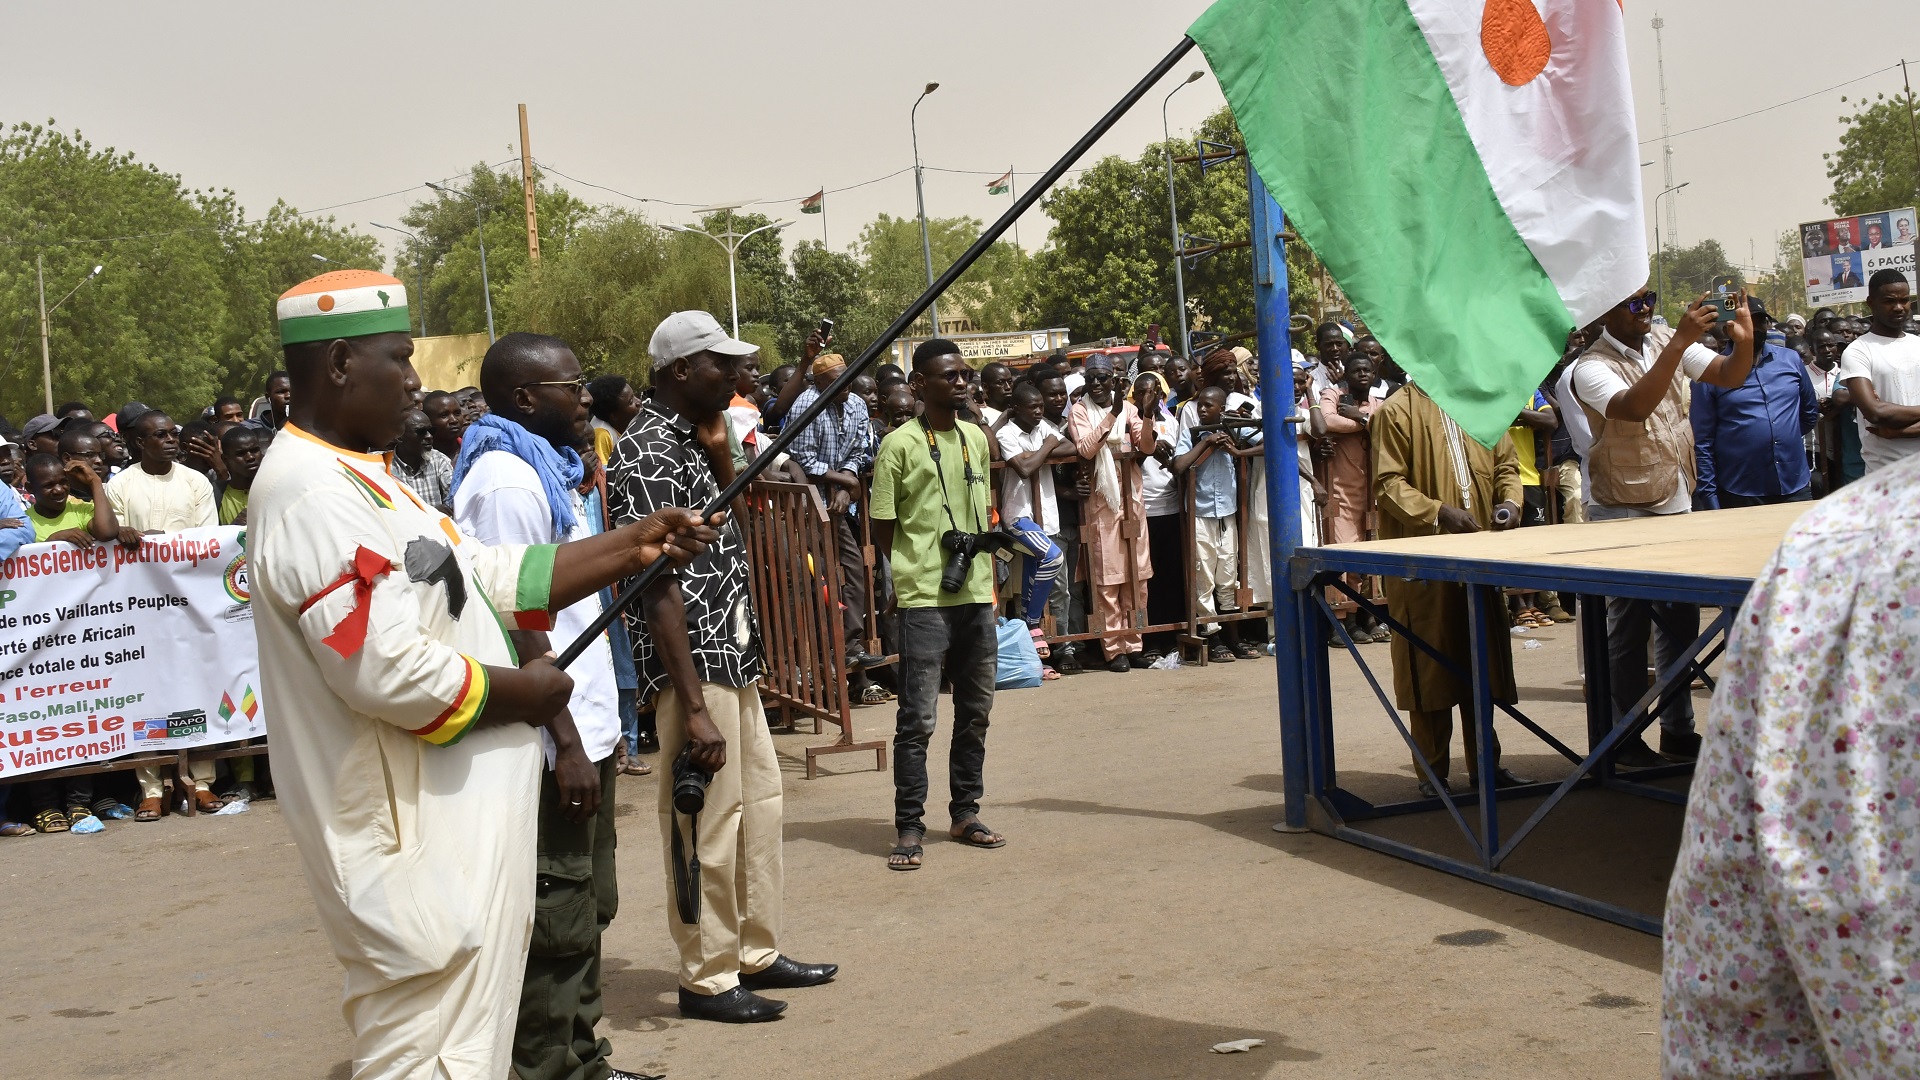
[960, 642]
[627, 677]
[1040, 570]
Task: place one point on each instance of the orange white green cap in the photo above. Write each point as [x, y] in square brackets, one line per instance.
[343, 304]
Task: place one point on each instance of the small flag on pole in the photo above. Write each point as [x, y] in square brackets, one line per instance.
[814, 203]
[1002, 185]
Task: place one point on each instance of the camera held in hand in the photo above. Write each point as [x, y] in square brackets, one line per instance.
[689, 783]
[962, 547]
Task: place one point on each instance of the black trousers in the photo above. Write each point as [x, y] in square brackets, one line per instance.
[1167, 589]
[1730, 501]
[576, 897]
[959, 641]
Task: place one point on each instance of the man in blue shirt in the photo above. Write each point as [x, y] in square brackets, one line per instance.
[1750, 441]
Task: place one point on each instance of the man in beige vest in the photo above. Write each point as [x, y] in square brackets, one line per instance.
[1641, 464]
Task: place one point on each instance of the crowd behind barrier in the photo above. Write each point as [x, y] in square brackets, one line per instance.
[1133, 560]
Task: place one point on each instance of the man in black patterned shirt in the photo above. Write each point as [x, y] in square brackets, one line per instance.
[698, 652]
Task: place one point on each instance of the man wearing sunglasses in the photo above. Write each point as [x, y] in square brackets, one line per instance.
[1641, 464]
[517, 481]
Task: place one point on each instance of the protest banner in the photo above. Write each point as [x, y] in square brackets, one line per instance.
[108, 650]
[1839, 255]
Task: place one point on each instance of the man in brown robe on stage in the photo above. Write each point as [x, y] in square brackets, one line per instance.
[1430, 477]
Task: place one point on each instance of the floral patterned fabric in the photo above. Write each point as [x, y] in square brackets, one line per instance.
[1790, 924]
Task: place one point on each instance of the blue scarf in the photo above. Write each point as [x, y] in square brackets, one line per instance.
[561, 471]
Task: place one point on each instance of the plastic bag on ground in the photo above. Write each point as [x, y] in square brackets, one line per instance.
[88, 824]
[1169, 662]
[1237, 1046]
[237, 806]
[1019, 662]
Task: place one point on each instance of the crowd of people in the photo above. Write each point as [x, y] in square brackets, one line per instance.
[1128, 484]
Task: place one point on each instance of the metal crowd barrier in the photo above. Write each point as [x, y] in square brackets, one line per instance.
[793, 557]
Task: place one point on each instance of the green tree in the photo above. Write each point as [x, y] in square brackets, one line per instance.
[606, 290]
[1874, 169]
[1108, 268]
[183, 308]
[447, 251]
[894, 274]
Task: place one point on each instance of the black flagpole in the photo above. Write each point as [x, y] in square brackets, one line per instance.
[795, 424]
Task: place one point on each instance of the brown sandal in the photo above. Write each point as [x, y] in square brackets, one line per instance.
[50, 821]
[149, 810]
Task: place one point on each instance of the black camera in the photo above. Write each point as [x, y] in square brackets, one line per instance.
[689, 783]
[962, 547]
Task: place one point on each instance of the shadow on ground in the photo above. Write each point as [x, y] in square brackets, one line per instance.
[1114, 1044]
[1620, 857]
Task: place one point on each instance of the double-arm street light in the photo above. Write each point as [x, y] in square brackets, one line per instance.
[920, 200]
[1173, 212]
[485, 288]
[46, 355]
[730, 242]
[419, 272]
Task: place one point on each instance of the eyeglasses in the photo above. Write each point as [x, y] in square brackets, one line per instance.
[1642, 304]
[1098, 378]
[576, 385]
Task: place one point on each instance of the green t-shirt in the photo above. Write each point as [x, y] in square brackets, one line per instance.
[907, 490]
[77, 515]
[233, 503]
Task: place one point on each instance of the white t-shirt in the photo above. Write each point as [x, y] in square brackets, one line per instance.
[501, 501]
[1157, 489]
[1595, 384]
[181, 499]
[1892, 365]
[1016, 492]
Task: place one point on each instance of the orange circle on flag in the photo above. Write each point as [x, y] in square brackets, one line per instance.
[1515, 40]
[325, 303]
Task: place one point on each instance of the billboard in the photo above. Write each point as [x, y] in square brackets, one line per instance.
[1839, 255]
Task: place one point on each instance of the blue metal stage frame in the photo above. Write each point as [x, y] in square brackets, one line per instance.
[1302, 628]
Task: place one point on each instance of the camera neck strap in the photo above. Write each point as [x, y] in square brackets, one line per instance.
[686, 870]
[966, 466]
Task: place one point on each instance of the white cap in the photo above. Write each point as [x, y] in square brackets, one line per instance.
[1796, 319]
[685, 333]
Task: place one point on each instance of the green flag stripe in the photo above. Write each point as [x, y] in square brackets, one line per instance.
[1349, 120]
[347, 324]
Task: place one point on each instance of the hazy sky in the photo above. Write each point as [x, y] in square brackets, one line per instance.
[719, 101]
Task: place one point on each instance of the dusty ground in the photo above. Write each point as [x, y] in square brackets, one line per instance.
[1143, 910]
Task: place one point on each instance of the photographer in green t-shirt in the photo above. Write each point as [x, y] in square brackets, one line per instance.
[929, 511]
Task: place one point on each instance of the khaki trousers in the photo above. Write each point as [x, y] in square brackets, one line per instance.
[1216, 571]
[149, 778]
[1567, 482]
[1433, 733]
[739, 842]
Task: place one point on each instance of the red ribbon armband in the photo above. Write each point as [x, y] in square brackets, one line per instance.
[350, 633]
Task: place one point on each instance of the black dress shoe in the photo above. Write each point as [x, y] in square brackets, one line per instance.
[1636, 754]
[785, 974]
[737, 1006]
[858, 660]
[1119, 663]
[1066, 660]
[647, 743]
[1427, 791]
[1138, 661]
[1684, 745]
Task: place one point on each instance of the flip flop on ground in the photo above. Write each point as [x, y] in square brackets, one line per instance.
[974, 833]
[905, 856]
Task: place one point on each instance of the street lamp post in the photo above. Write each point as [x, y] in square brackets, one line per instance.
[1659, 254]
[419, 272]
[920, 200]
[1173, 212]
[486, 288]
[46, 354]
[730, 242]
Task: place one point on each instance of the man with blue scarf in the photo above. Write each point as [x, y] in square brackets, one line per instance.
[517, 481]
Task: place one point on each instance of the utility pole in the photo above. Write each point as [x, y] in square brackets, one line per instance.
[1666, 143]
[1913, 128]
[526, 185]
[46, 358]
